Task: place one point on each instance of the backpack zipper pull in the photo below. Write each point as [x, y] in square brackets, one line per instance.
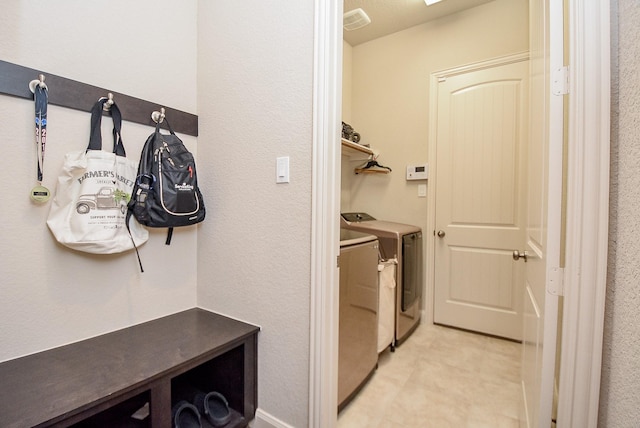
[190, 172]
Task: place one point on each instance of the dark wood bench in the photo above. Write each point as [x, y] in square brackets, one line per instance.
[143, 369]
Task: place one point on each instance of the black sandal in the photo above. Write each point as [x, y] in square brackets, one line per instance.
[214, 407]
[185, 415]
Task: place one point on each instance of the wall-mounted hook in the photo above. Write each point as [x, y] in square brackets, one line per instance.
[106, 106]
[39, 82]
[158, 116]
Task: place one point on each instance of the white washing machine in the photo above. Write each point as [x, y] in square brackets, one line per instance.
[404, 243]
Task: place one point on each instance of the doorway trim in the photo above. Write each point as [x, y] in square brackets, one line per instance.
[325, 214]
[587, 213]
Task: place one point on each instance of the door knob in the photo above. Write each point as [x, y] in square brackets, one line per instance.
[441, 234]
[517, 255]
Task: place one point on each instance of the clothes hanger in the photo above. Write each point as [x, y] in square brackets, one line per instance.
[372, 166]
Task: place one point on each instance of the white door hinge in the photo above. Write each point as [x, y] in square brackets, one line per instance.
[555, 285]
[337, 261]
[560, 81]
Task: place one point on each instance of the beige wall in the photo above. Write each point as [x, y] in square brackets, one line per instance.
[255, 71]
[51, 295]
[620, 386]
[390, 98]
[246, 68]
[347, 74]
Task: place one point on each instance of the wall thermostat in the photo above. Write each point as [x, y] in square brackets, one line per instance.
[418, 172]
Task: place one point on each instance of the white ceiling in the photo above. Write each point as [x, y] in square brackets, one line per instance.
[390, 16]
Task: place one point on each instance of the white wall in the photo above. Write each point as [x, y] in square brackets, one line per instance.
[255, 77]
[390, 98]
[620, 385]
[50, 295]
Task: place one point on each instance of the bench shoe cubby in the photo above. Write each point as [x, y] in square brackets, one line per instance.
[132, 377]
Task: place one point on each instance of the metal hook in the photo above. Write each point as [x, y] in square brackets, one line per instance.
[109, 102]
[158, 116]
[39, 82]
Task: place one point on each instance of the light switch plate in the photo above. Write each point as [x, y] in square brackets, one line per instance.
[282, 169]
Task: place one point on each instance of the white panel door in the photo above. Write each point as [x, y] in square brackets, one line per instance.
[482, 118]
[543, 273]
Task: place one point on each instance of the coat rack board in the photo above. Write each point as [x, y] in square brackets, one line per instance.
[14, 80]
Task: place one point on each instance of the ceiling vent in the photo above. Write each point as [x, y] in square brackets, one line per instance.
[354, 19]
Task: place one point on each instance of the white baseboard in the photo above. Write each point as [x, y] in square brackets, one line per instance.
[265, 420]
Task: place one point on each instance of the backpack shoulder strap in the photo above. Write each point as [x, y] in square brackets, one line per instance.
[146, 155]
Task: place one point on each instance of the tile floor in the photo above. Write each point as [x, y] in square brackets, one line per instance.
[441, 377]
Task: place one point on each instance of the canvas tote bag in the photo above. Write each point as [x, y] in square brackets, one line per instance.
[89, 209]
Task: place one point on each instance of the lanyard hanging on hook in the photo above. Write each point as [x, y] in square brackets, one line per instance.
[41, 99]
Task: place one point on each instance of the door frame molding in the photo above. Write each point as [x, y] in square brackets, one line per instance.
[325, 214]
[587, 213]
[431, 188]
